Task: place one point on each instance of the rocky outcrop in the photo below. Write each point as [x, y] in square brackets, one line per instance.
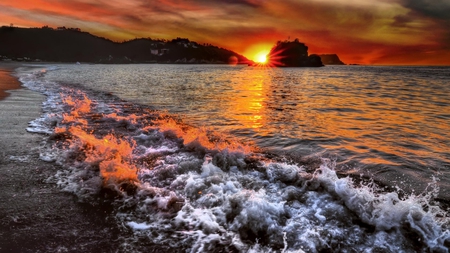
[331, 59]
[292, 54]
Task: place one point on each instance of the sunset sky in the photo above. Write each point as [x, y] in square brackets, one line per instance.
[359, 31]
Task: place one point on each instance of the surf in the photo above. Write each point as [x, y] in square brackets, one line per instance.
[187, 187]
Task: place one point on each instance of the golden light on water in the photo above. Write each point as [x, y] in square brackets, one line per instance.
[204, 137]
[263, 103]
[111, 153]
[267, 104]
[247, 106]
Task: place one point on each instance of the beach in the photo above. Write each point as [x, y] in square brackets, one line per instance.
[92, 162]
[35, 216]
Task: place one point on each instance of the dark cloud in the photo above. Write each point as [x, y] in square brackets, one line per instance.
[251, 3]
[402, 20]
[436, 9]
[132, 18]
[163, 11]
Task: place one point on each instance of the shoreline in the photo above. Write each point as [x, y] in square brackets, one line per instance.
[8, 82]
[36, 216]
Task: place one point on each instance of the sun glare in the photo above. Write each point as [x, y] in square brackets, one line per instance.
[258, 52]
[261, 57]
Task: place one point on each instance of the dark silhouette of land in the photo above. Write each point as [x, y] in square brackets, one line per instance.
[331, 59]
[292, 54]
[72, 45]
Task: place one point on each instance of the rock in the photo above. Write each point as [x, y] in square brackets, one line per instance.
[331, 59]
[292, 54]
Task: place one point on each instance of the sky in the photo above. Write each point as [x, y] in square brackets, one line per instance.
[393, 32]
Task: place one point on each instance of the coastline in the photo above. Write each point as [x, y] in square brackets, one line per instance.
[7, 81]
[36, 216]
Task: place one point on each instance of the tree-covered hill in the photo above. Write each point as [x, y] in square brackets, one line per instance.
[72, 45]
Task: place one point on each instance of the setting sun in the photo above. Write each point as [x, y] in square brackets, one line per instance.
[258, 52]
[261, 57]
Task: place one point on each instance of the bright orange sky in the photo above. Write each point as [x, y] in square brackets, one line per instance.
[359, 31]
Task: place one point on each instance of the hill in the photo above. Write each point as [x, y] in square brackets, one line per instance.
[73, 45]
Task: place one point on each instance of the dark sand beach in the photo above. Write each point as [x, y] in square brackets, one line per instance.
[35, 216]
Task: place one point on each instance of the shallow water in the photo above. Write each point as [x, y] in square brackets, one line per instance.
[255, 159]
[376, 119]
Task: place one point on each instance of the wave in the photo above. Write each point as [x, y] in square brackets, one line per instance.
[178, 186]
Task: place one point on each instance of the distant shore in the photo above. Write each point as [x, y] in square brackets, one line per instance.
[73, 45]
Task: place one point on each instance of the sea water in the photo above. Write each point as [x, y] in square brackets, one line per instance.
[218, 158]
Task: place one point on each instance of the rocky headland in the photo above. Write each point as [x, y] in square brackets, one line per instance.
[331, 59]
[292, 54]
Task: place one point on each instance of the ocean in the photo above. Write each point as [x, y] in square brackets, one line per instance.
[221, 158]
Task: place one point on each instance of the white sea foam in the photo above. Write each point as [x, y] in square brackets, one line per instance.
[23, 158]
[198, 199]
[138, 226]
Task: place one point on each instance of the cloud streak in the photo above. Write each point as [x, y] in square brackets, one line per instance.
[372, 32]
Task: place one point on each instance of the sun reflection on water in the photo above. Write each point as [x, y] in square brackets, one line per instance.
[247, 105]
[378, 115]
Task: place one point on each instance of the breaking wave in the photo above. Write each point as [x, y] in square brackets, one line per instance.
[178, 186]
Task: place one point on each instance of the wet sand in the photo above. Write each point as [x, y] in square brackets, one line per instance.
[7, 82]
[36, 216]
